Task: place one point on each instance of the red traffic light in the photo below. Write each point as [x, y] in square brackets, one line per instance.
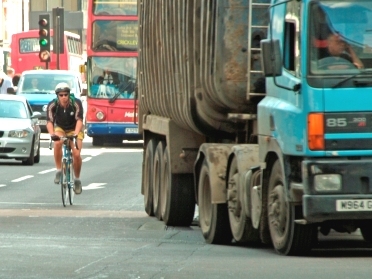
[43, 22]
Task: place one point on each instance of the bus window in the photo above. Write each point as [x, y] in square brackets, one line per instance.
[115, 7]
[115, 35]
[113, 76]
[29, 45]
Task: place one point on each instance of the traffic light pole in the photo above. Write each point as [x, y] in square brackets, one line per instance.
[58, 30]
[58, 39]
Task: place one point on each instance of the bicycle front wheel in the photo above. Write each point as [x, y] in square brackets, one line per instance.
[64, 182]
[71, 186]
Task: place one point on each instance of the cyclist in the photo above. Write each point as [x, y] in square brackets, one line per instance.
[65, 118]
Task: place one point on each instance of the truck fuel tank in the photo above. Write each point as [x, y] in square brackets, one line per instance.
[200, 60]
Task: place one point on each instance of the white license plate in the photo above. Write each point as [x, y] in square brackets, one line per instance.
[354, 205]
[131, 130]
[42, 122]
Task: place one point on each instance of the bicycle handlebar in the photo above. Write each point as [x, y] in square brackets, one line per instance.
[63, 138]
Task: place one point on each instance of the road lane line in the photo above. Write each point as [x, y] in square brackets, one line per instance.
[87, 159]
[46, 171]
[22, 178]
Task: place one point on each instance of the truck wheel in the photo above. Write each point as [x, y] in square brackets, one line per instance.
[288, 238]
[241, 225]
[156, 182]
[213, 218]
[147, 177]
[179, 195]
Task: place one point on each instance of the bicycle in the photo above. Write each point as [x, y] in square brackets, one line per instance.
[67, 176]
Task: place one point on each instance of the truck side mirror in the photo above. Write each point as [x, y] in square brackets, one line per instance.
[271, 58]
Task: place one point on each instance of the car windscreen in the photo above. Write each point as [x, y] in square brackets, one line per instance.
[12, 109]
[39, 83]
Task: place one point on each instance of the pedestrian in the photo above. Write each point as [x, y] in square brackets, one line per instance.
[10, 72]
[5, 83]
[15, 80]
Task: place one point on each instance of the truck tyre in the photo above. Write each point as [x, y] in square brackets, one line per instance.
[288, 238]
[213, 218]
[179, 195]
[241, 225]
[156, 183]
[147, 177]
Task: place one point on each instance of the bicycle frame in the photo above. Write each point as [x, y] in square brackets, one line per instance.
[67, 177]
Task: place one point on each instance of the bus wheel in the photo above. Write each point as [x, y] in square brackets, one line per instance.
[98, 141]
[179, 195]
[213, 218]
[288, 238]
[240, 224]
[147, 177]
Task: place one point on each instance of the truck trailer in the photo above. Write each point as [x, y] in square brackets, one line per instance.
[248, 112]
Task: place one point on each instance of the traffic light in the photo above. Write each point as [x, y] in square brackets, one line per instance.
[44, 38]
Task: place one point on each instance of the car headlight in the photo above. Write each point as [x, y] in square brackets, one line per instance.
[327, 182]
[18, 134]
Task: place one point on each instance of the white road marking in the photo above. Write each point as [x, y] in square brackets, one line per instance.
[22, 178]
[93, 186]
[87, 159]
[92, 152]
[46, 171]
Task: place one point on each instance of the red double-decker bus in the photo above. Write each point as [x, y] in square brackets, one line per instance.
[25, 49]
[111, 114]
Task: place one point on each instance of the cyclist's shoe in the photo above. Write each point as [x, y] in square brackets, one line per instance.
[77, 188]
[57, 179]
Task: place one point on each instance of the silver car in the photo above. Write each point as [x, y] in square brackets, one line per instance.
[19, 130]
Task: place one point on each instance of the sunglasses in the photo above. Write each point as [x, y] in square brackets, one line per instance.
[62, 95]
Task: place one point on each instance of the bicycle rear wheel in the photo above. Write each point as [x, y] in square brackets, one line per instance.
[64, 182]
[71, 186]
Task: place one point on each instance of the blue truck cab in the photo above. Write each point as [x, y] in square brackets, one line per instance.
[316, 119]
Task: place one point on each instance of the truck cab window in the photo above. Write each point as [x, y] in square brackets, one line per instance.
[289, 46]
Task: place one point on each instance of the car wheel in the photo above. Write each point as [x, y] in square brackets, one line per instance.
[37, 157]
[30, 160]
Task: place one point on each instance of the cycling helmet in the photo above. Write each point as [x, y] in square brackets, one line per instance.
[62, 87]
